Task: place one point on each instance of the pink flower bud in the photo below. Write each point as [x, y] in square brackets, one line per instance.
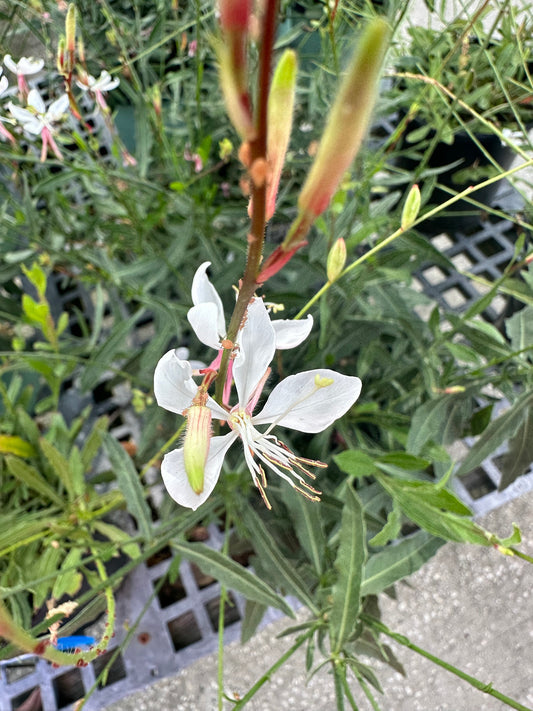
[196, 445]
[348, 119]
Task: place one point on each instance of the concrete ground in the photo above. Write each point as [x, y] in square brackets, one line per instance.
[471, 606]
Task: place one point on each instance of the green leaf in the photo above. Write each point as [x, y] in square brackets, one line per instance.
[441, 420]
[12, 444]
[36, 313]
[253, 614]
[351, 556]
[59, 465]
[520, 329]
[497, 433]
[520, 452]
[33, 479]
[93, 442]
[404, 460]
[307, 522]
[232, 575]
[130, 485]
[397, 561]
[68, 582]
[268, 551]
[116, 535]
[390, 530]
[355, 463]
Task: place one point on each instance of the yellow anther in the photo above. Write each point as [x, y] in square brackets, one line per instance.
[321, 382]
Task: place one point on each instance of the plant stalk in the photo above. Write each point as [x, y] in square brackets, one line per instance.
[476, 683]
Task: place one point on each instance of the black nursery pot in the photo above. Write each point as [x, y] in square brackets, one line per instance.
[461, 216]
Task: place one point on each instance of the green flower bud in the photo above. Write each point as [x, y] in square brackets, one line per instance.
[411, 208]
[336, 260]
[196, 445]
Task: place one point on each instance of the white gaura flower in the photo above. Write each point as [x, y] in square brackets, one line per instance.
[105, 82]
[309, 402]
[38, 120]
[25, 66]
[207, 317]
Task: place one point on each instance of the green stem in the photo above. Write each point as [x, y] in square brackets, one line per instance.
[476, 683]
[339, 675]
[223, 600]
[273, 669]
[348, 692]
[388, 240]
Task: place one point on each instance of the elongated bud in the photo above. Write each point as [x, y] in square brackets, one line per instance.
[60, 57]
[280, 111]
[196, 445]
[411, 208]
[232, 59]
[348, 119]
[70, 28]
[336, 260]
[235, 15]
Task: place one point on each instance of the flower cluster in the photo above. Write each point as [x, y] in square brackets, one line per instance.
[29, 115]
[309, 401]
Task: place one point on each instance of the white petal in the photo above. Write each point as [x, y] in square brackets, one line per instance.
[290, 333]
[202, 292]
[257, 345]
[298, 404]
[35, 100]
[10, 64]
[4, 83]
[175, 476]
[28, 65]
[20, 114]
[204, 319]
[174, 387]
[57, 108]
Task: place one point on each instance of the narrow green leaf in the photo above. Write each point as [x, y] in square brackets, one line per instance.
[130, 485]
[130, 548]
[441, 420]
[520, 453]
[390, 530]
[355, 463]
[267, 549]
[497, 432]
[351, 556]
[69, 580]
[307, 522]
[397, 561]
[232, 575]
[253, 614]
[93, 442]
[33, 479]
[12, 444]
[59, 466]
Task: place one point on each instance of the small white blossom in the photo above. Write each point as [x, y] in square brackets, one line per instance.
[36, 119]
[25, 66]
[105, 82]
